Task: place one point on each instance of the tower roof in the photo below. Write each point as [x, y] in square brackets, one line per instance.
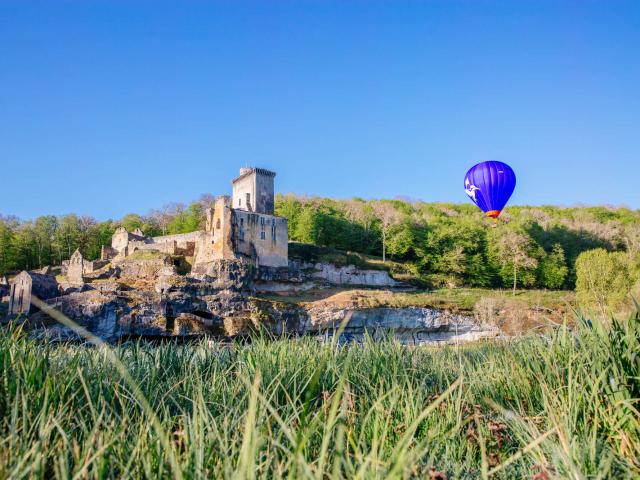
[246, 171]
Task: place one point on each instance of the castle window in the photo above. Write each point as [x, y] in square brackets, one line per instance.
[241, 235]
[248, 199]
[273, 233]
[262, 235]
[261, 220]
[242, 222]
[218, 224]
[239, 202]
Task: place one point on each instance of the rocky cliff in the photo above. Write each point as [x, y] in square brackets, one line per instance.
[145, 296]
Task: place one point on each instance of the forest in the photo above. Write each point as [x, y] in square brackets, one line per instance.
[443, 244]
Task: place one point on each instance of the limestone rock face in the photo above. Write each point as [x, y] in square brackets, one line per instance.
[304, 276]
[91, 310]
[410, 325]
[142, 295]
[235, 274]
[187, 324]
[350, 275]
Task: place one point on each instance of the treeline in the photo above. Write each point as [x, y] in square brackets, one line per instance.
[443, 244]
[454, 245]
[48, 240]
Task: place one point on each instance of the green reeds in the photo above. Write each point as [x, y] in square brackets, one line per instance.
[563, 405]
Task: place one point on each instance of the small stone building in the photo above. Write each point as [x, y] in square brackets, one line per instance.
[26, 284]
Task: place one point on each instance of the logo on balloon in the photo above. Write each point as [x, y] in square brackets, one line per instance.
[470, 189]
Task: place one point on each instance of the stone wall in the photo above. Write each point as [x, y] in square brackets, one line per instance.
[264, 193]
[244, 191]
[92, 266]
[217, 245]
[170, 248]
[121, 239]
[264, 237]
[75, 270]
[146, 268]
[107, 253]
[26, 284]
[185, 242]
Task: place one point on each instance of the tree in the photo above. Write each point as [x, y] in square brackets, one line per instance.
[66, 237]
[132, 221]
[7, 251]
[388, 216]
[603, 279]
[207, 200]
[24, 242]
[44, 229]
[306, 228]
[401, 240]
[553, 268]
[361, 213]
[514, 250]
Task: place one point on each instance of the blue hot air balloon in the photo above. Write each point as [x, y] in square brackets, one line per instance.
[490, 185]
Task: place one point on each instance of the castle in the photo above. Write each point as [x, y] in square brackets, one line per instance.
[243, 226]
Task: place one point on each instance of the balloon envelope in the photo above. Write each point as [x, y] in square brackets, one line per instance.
[490, 185]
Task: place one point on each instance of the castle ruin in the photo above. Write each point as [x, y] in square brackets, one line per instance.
[243, 226]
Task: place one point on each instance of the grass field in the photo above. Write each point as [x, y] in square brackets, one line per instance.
[527, 311]
[457, 299]
[564, 405]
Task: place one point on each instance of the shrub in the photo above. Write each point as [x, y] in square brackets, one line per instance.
[603, 280]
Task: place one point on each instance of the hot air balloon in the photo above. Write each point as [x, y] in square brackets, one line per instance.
[490, 185]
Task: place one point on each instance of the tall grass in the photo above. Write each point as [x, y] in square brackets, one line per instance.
[560, 406]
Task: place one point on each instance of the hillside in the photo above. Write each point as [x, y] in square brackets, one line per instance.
[441, 244]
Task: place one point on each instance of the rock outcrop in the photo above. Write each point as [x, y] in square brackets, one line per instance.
[301, 276]
[143, 295]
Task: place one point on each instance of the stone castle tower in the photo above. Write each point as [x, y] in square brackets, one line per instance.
[253, 191]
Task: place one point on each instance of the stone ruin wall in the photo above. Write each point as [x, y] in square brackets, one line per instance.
[216, 242]
[250, 228]
[75, 270]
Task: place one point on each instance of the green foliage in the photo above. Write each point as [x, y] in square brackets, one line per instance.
[188, 220]
[604, 279]
[443, 244]
[564, 405]
[49, 240]
[553, 268]
[451, 244]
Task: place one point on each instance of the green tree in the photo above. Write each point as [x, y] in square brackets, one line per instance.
[306, 227]
[7, 249]
[604, 280]
[553, 268]
[515, 254]
[387, 217]
[132, 221]
[44, 229]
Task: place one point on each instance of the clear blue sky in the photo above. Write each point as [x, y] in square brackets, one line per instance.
[110, 107]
